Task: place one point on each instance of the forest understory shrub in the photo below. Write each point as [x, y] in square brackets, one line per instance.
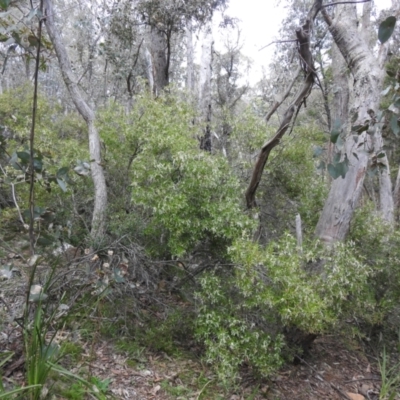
[182, 195]
[276, 289]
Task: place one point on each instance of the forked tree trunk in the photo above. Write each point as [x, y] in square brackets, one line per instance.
[100, 195]
[367, 73]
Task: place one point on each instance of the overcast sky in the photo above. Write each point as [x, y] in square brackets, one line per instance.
[259, 22]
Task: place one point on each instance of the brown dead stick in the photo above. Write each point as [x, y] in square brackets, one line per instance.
[15, 365]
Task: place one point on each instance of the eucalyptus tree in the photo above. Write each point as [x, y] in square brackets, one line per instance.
[363, 139]
[231, 69]
[167, 18]
[88, 114]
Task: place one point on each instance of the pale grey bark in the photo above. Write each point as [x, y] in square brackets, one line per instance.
[386, 201]
[100, 195]
[344, 194]
[205, 85]
[189, 56]
[149, 69]
[396, 194]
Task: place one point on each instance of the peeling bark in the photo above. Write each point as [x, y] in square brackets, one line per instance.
[344, 194]
[100, 195]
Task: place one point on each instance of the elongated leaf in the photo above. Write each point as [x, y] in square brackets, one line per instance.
[386, 29]
[394, 125]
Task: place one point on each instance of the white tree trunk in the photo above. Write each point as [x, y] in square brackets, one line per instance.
[205, 85]
[189, 56]
[149, 69]
[100, 195]
[344, 194]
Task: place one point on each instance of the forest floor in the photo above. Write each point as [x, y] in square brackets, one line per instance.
[335, 367]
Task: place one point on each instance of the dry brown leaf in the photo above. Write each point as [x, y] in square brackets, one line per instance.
[355, 396]
[155, 389]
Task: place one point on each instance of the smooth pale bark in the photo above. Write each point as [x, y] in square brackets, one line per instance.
[189, 56]
[149, 69]
[344, 194]
[386, 201]
[340, 87]
[303, 36]
[205, 86]
[100, 189]
[396, 193]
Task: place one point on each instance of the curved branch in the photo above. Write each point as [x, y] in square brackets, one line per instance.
[303, 36]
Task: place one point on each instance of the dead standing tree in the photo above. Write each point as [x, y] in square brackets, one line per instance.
[303, 35]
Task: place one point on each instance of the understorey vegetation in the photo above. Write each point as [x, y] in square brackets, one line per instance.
[225, 224]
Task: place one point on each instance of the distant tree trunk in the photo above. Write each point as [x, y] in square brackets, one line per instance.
[100, 196]
[205, 86]
[149, 70]
[160, 60]
[189, 56]
[344, 194]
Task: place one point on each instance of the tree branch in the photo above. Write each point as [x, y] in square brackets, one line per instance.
[344, 2]
[303, 37]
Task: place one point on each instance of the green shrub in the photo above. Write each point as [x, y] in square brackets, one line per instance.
[379, 245]
[184, 196]
[276, 288]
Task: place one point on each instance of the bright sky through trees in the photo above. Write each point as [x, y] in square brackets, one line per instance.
[260, 21]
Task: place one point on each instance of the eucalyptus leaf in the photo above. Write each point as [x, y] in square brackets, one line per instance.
[395, 125]
[318, 150]
[386, 29]
[333, 171]
[336, 158]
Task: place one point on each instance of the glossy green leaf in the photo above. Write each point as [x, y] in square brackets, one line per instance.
[386, 29]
